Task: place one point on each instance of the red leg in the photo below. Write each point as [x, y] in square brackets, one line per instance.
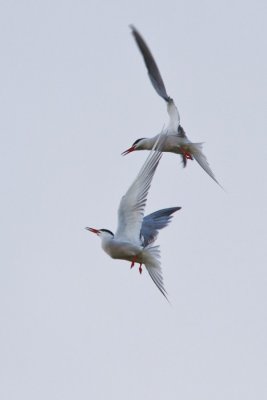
[140, 269]
[133, 262]
[186, 154]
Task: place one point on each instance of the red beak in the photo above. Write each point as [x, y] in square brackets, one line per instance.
[93, 230]
[128, 151]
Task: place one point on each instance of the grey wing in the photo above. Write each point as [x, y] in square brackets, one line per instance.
[152, 223]
[174, 118]
[152, 68]
[157, 81]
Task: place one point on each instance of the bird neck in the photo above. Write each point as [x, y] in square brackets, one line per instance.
[148, 143]
[106, 241]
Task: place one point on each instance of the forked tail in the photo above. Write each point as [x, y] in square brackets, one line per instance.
[196, 150]
[151, 259]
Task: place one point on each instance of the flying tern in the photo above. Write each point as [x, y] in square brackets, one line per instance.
[136, 234]
[176, 141]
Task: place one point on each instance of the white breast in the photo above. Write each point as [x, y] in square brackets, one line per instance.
[121, 250]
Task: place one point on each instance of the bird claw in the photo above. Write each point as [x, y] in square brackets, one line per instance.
[140, 269]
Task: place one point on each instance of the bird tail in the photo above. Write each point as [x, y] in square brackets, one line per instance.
[151, 259]
[196, 150]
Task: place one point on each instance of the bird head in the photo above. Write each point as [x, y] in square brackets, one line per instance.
[102, 233]
[137, 145]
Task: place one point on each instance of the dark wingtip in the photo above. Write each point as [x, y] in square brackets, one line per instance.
[173, 210]
[133, 29]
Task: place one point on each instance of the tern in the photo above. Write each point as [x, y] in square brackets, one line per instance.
[176, 141]
[136, 234]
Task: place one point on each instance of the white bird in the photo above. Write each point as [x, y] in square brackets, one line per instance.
[176, 141]
[136, 234]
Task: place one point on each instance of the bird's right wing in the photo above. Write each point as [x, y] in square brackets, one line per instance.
[152, 68]
[152, 223]
[132, 205]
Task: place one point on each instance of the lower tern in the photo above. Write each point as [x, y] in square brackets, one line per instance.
[176, 141]
[136, 234]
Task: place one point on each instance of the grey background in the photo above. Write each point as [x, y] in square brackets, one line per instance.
[75, 94]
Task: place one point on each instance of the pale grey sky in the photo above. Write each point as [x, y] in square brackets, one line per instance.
[76, 324]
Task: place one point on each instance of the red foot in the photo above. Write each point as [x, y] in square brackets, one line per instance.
[186, 154]
[140, 269]
[133, 262]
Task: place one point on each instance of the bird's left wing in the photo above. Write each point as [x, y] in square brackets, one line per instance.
[152, 223]
[157, 81]
[174, 118]
[132, 204]
[152, 68]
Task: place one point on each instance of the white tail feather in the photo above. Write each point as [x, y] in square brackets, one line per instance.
[196, 150]
[151, 259]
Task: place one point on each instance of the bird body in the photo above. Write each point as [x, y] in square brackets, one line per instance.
[136, 234]
[172, 144]
[122, 250]
[176, 142]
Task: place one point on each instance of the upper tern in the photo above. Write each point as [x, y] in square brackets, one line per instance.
[176, 141]
[136, 234]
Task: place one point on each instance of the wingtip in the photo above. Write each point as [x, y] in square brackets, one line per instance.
[134, 31]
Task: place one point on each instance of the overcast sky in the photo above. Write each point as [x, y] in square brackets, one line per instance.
[76, 324]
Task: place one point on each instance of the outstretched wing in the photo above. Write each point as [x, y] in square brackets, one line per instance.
[132, 205]
[152, 68]
[152, 223]
[157, 81]
[174, 118]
